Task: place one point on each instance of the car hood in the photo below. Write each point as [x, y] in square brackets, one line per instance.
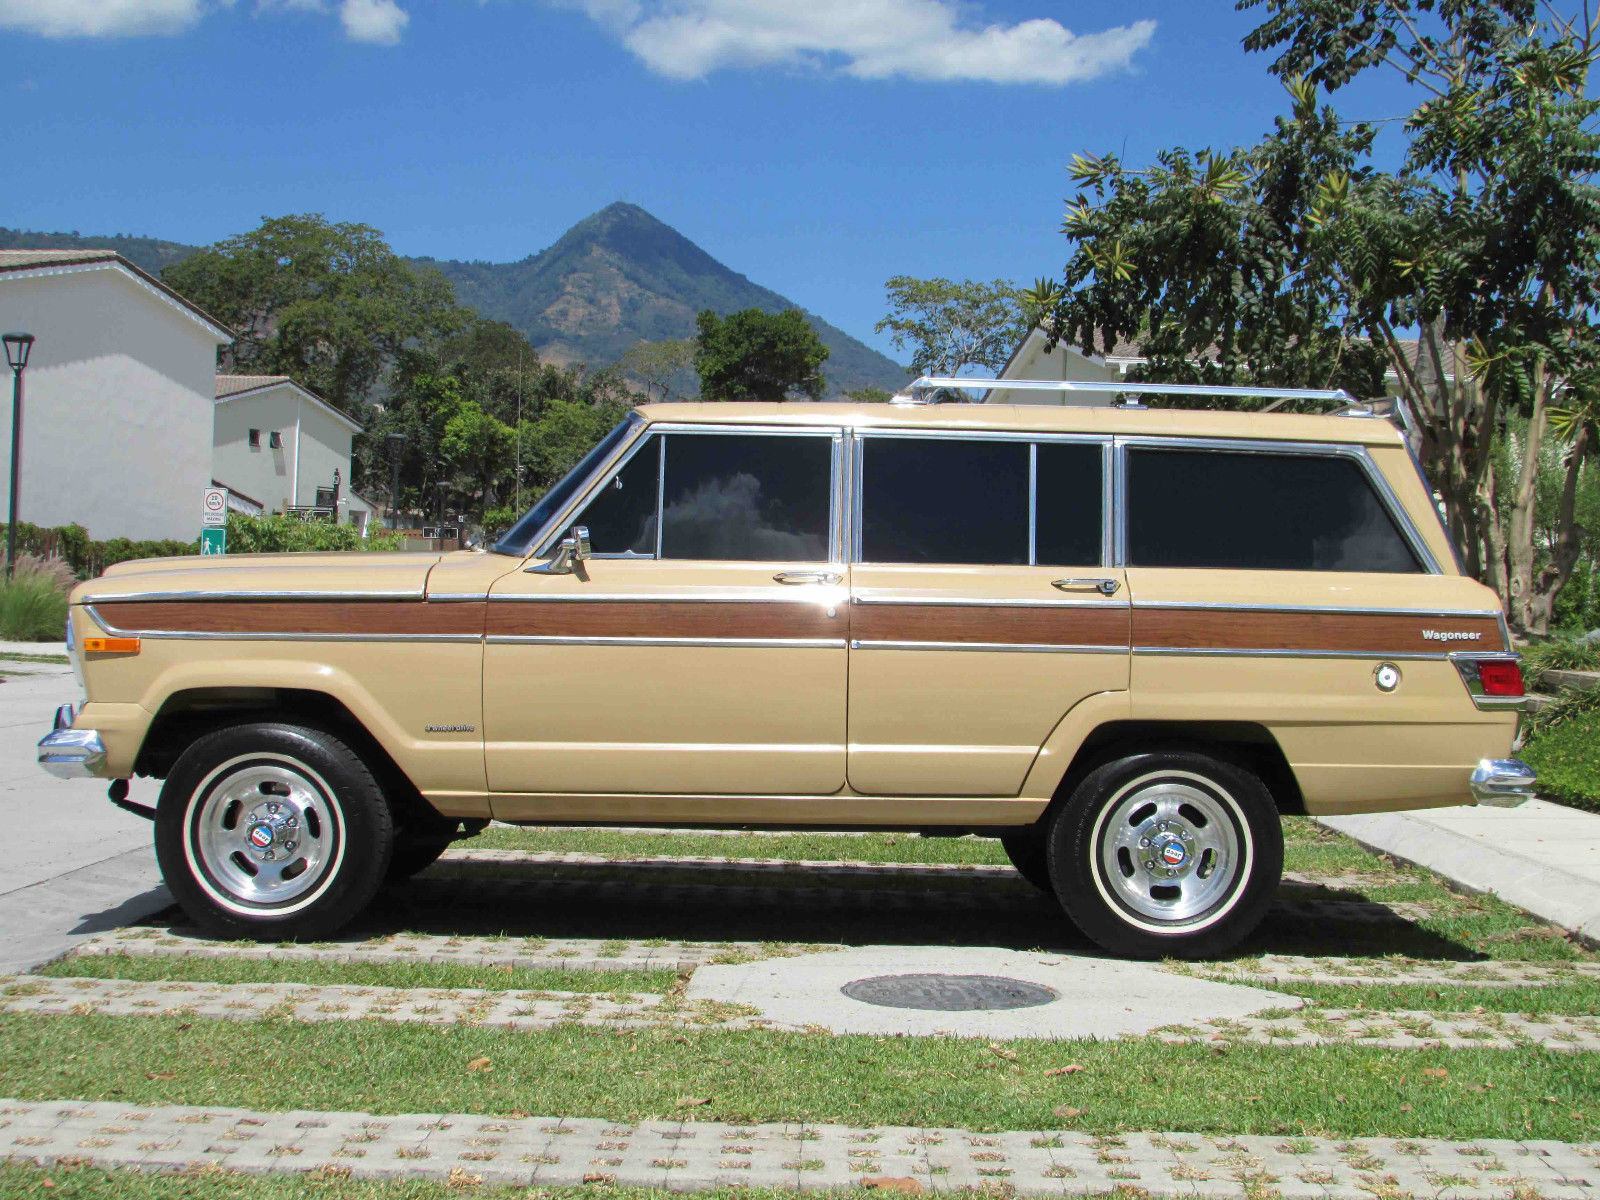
[282, 575]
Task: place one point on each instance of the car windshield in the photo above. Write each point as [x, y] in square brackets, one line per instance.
[518, 540]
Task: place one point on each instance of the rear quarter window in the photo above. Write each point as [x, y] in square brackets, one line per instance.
[1259, 511]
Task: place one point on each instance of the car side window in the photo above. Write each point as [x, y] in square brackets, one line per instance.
[944, 500]
[621, 519]
[1261, 512]
[747, 497]
[1069, 496]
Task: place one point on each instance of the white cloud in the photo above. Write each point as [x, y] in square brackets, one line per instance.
[378, 21]
[869, 39]
[99, 18]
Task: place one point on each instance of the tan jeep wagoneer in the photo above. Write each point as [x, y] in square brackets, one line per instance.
[1122, 639]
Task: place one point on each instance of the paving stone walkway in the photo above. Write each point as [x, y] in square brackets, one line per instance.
[695, 1156]
[1286, 968]
[594, 954]
[560, 954]
[535, 1010]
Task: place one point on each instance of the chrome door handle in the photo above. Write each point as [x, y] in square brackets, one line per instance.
[825, 577]
[1106, 587]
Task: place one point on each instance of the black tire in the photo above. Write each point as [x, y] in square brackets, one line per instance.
[1028, 853]
[413, 853]
[241, 801]
[1182, 804]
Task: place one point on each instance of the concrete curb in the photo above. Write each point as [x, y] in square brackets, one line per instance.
[1529, 856]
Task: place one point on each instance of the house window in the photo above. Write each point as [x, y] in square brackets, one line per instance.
[275, 440]
[255, 439]
[1258, 512]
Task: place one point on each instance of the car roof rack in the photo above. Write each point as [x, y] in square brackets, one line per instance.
[922, 391]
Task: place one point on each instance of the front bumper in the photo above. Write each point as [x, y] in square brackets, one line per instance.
[1503, 782]
[69, 753]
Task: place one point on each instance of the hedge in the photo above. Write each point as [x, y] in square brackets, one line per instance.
[267, 534]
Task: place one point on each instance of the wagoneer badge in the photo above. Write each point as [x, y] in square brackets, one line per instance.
[1451, 635]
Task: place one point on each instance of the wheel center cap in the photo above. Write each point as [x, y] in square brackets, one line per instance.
[260, 835]
[1170, 853]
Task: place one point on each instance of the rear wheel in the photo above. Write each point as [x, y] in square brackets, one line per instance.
[1168, 853]
[272, 831]
[1028, 853]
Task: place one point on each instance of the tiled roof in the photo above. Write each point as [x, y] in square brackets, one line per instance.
[11, 260]
[232, 385]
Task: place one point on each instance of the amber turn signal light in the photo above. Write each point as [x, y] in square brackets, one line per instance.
[111, 645]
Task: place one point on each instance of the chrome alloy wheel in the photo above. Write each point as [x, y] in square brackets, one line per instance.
[265, 834]
[1172, 851]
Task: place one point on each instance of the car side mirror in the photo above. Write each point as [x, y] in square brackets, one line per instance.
[569, 556]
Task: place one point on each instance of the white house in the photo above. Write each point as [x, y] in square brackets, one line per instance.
[119, 395]
[1032, 360]
[279, 446]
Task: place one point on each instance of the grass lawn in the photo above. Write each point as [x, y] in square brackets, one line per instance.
[630, 1075]
[1567, 757]
[1575, 999]
[360, 974]
[89, 1183]
[60, 660]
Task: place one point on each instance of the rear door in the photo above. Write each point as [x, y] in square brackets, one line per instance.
[984, 606]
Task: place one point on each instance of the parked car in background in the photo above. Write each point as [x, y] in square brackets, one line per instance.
[1124, 640]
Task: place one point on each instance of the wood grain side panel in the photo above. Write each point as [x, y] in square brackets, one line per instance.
[1378, 634]
[1060, 625]
[370, 617]
[672, 619]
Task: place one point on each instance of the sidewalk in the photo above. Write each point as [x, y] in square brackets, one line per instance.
[75, 864]
[1544, 858]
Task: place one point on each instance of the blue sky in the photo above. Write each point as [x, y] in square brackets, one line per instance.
[817, 147]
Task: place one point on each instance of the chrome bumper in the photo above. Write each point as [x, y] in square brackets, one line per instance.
[69, 753]
[1503, 782]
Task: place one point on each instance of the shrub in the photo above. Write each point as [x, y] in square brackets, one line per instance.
[277, 535]
[33, 608]
[1565, 750]
[56, 570]
[1561, 654]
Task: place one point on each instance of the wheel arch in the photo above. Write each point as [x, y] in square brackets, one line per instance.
[1248, 745]
[190, 713]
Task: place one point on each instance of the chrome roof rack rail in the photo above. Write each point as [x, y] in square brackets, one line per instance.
[916, 393]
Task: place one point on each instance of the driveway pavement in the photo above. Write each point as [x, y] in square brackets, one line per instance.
[75, 864]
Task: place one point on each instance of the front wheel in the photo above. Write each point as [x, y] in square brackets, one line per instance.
[272, 831]
[1167, 853]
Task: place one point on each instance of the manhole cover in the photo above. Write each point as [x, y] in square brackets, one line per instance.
[948, 993]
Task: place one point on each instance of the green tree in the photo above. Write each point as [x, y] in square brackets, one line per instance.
[661, 368]
[756, 355]
[951, 325]
[1300, 261]
[327, 303]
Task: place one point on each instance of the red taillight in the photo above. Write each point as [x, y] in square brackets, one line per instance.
[1501, 677]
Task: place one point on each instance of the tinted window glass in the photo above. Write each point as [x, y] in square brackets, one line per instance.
[622, 518]
[1070, 495]
[939, 500]
[1265, 512]
[518, 539]
[760, 498]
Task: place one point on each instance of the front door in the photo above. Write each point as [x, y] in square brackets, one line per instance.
[701, 650]
[983, 608]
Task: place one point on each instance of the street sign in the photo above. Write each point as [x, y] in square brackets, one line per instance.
[214, 507]
[214, 539]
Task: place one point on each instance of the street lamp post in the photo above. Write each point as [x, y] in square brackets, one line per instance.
[337, 479]
[395, 441]
[18, 347]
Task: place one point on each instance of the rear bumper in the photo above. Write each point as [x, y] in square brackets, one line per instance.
[1503, 782]
[69, 753]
